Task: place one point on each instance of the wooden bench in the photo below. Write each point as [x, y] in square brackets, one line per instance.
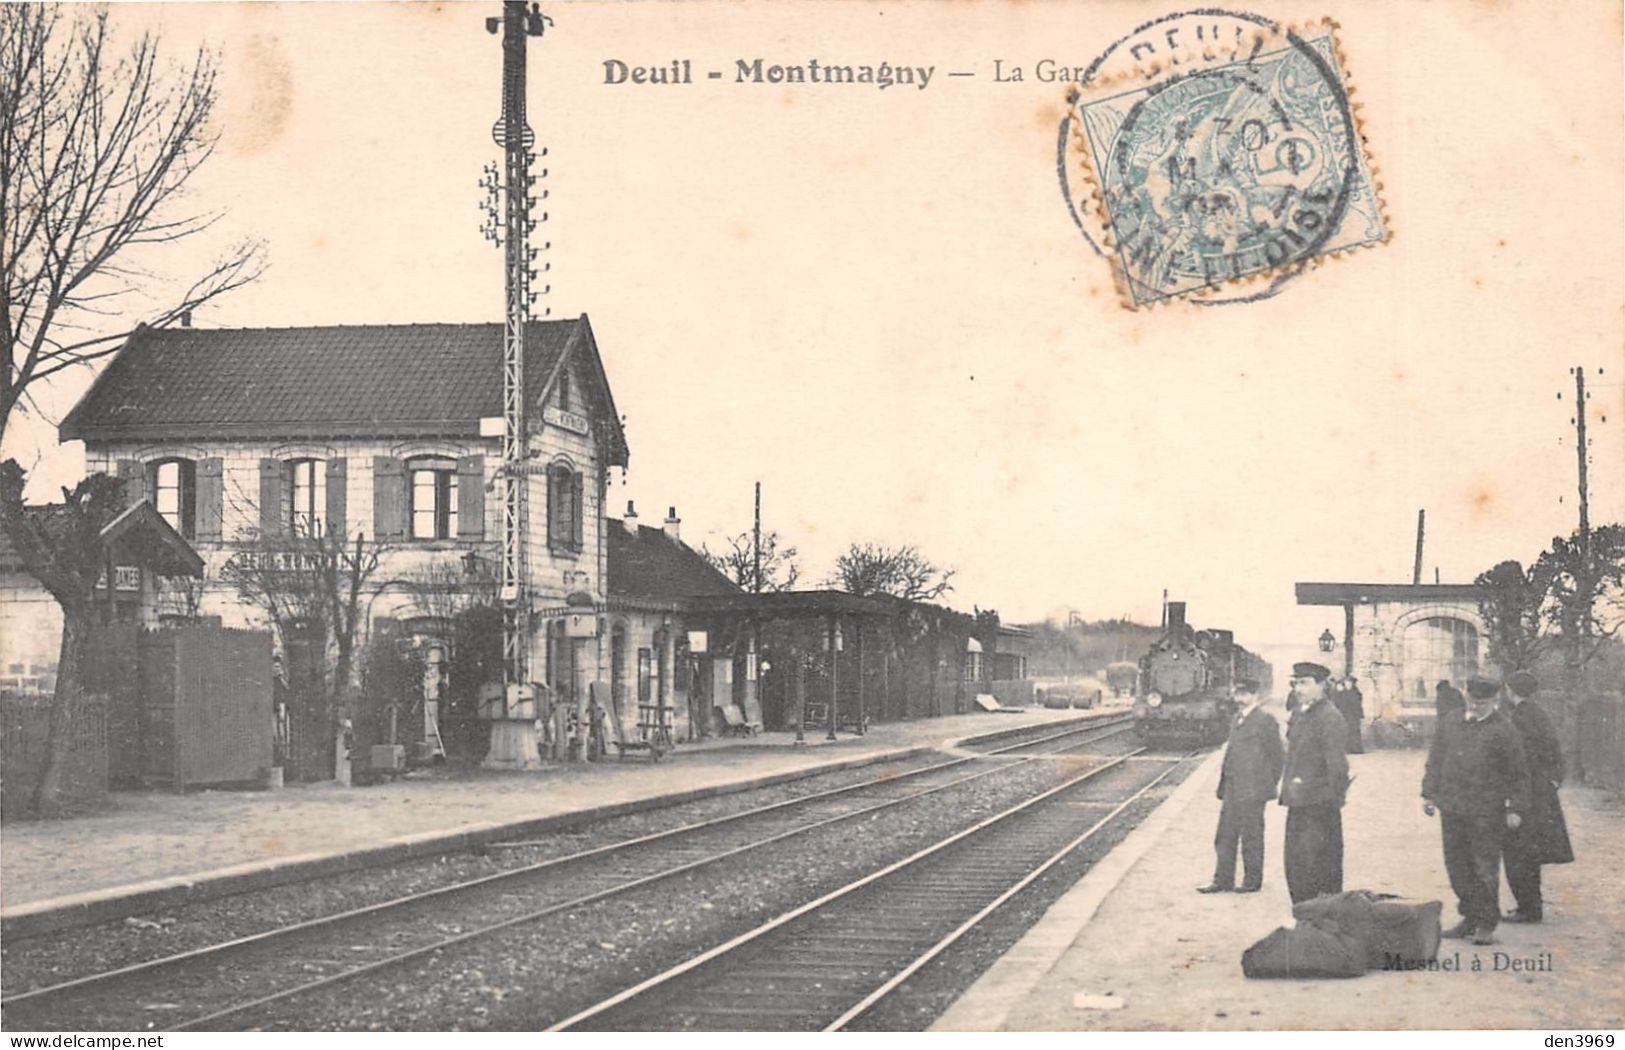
[638, 747]
[733, 723]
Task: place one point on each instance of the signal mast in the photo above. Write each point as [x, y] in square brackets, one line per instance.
[511, 704]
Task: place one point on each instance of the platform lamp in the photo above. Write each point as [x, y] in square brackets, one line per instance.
[1328, 641]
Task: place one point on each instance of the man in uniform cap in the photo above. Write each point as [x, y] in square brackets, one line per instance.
[1251, 771]
[1478, 782]
[1447, 700]
[1313, 785]
[1543, 837]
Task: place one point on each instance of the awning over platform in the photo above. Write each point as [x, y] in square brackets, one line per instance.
[1373, 593]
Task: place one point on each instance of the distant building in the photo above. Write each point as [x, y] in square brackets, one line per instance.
[1401, 640]
[662, 672]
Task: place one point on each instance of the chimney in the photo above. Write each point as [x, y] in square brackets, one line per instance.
[186, 318]
[1176, 618]
[631, 519]
[672, 526]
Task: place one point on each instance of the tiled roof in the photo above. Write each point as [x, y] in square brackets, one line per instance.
[420, 379]
[652, 566]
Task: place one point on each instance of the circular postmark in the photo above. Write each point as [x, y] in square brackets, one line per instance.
[1211, 172]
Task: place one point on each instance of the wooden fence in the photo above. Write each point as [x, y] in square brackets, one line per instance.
[24, 722]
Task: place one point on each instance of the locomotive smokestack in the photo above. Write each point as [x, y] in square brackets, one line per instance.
[1176, 617]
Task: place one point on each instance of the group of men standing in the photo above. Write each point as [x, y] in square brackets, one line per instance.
[1493, 772]
[1492, 776]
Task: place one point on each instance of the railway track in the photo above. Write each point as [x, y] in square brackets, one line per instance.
[303, 957]
[829, 963]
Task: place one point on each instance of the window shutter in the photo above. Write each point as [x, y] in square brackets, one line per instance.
[210, 500]
[134, 475]
[579, 536]
[471, 497]
[272, 521]
[389, 511]
[337, 497]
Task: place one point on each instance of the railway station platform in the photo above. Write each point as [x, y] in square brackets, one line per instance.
[144, 850]
[1133, 947]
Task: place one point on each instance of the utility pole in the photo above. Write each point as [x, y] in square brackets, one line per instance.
[513, 739]
[756, 545]
[1581, 450]
[1416, 569]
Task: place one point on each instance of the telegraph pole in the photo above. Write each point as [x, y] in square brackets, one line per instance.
[513, 742]
[1416, 568]
[756, 545]
[1580, 453]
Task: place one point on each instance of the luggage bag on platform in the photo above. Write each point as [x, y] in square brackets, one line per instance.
[1345, 934]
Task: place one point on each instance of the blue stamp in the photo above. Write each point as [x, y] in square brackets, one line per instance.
[1219, 171]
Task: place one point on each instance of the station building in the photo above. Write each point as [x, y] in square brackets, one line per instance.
[242, 437]
[1400, 640]
[241, 440]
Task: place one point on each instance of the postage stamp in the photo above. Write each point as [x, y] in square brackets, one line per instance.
[1222, 166]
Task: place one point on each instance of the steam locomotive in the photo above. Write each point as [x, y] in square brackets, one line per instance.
[1186, 691]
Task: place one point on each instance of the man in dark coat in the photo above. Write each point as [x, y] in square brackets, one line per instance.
[1251, 771]
[1543, 837]
[1350, 703]
[1313, 785]
[1447, 699]
[1478, 781]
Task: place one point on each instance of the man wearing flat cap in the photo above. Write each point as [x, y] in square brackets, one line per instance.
[1251, 771]
[1478, 782]
[1313, 785]
[1543, 837]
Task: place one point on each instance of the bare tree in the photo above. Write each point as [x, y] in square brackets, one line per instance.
[96, 147]
[312, 585]
[62, 546]
[903, 572]
[737, 560]
[1513, 610]
[95, 150]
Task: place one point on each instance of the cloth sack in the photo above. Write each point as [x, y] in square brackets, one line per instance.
[1306, 950]
[1392, 928]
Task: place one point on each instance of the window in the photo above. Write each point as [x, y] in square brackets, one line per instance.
[564, 531]
[433, 495]
[307, 484]
[174, 494]
[645, 676]
[564, 390]
[1439, 648]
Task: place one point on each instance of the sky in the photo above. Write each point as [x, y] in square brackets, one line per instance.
[876, 303]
